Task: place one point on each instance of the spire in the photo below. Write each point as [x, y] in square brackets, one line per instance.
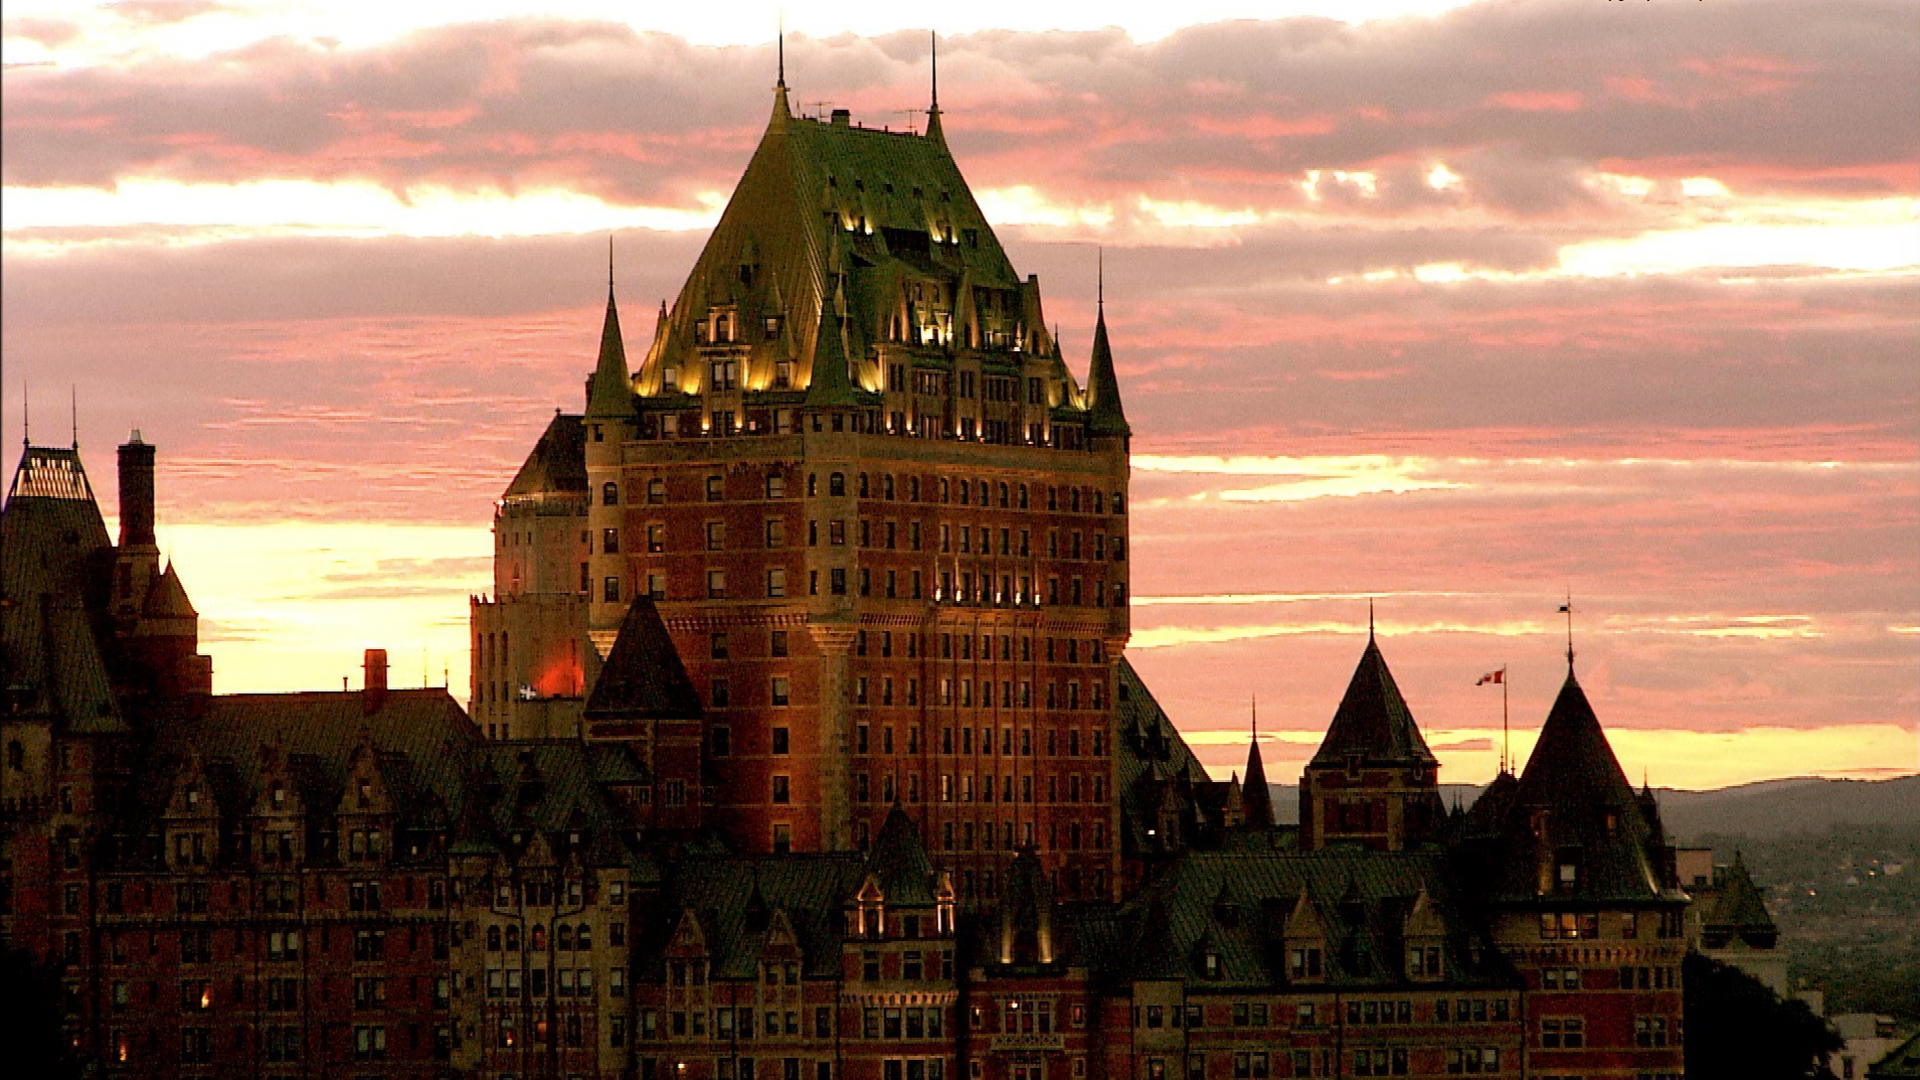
[934, 130]
[781, 111]
[1105, 415]
[75, 402]
[1257, 797]
[612, 391]
[1369, 618]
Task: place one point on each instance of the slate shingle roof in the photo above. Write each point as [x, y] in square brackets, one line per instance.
[1362, 900]
[54, 559]
[643, 677]
[1575, 795]
[1373, 721]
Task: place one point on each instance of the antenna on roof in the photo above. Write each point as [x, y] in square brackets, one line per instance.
[1369, 618]
[934, 37]
[75, 401]
[1100, 277]
[26, 414]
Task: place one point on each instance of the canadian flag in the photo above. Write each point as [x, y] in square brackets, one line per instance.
[1493, 677]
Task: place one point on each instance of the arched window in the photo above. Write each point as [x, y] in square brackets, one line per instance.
[837, 484]
[584, 937]
[1003, 494]
[562, 938]
[539, 939]
[943, 489]
[863, 486]
[513, 939]
[493, 939]
[610, 494]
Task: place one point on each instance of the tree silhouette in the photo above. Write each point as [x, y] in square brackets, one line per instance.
[30, 1020]
[1739, 1029]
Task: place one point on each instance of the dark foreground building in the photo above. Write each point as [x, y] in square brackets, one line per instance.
[803, 747]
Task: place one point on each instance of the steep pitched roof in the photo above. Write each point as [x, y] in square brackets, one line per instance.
[643, 677]
[167, 598]
[1373, 721]
[1740, 908]
[1105, 415]
[56, 552]
[899, 861]
[896, 202]
[1572, 807]
[1257, 797]
[612, 393]
[558, 463]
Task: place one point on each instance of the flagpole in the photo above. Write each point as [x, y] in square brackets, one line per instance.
[1506, 756]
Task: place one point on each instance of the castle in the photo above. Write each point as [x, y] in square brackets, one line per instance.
[802, 746]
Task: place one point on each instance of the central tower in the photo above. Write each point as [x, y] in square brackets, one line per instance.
[884, 525]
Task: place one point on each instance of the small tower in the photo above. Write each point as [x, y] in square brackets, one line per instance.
[1373, 782]
[609, 416]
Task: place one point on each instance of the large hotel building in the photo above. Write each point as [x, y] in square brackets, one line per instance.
[802, 746]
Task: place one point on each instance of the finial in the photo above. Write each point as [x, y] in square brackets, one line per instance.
[1369, 619]
[75, 402]
[780, 37]
[26, 415]
[1567, 610]
[934, 36]
[1256, 716]
[1100, 278]
[609, 264]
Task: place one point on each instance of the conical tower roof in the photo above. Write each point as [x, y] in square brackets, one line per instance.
[1373, 722]
[167, 598]
[1105, 416]
[612, 393]
[1257, 797]
[1572, 764]
[1574, 829]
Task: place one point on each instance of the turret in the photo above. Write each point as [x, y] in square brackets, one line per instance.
[609, 413]
[1373, 780]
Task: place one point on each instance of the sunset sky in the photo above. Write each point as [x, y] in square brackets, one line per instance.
[1462, 307]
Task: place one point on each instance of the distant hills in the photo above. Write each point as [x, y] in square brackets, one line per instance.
[1765, 809]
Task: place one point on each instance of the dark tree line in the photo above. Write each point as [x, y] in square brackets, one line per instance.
[1739, 1029]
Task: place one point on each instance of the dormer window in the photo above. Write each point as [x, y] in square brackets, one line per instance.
[279, 796]
[772, 327]
[1304, 962]
[365, 793]
[1211, 964]
[193, 798]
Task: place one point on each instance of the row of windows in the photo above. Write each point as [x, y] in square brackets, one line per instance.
[567, 982]
[1098, 547]
[780, 741]
[567, 937]
[965, 493]
[1094, 835]
[1585, 926]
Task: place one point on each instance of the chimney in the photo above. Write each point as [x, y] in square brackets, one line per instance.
[375, 694]
[136, 493]
[842, 118]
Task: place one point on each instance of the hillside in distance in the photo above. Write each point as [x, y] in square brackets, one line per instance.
[1768, 808]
